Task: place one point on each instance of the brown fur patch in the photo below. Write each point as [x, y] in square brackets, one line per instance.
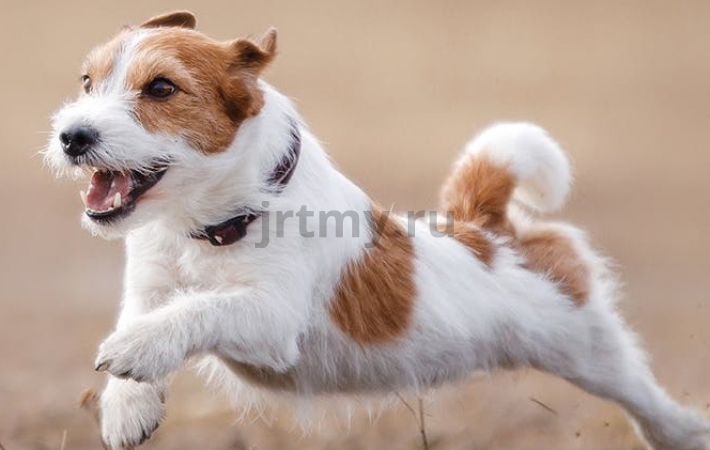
[217, 82]
[198, 111]
[479, 192]
[476, 241]
[375, 299]
[214, 96]
[552, 253]
[472, 237]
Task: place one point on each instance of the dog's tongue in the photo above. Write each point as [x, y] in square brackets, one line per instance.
[103, 188]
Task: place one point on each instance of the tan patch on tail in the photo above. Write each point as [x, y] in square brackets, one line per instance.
[473, 238]
[375, 299]
[476, 241]
[552, 253]
[479, 192]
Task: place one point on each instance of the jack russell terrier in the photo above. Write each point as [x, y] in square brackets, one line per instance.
[248, 248]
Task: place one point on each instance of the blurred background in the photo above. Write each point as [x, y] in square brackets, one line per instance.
[393, 89]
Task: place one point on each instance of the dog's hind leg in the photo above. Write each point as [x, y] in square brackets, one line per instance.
[605, 360]
[587, 343]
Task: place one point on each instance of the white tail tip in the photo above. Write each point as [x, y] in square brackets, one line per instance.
[540, 165]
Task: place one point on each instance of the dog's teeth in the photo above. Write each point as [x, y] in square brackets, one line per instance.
[82, 194]
[117, 200]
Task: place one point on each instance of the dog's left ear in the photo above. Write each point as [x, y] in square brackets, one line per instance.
[248, 58]
[181, 19]
[255, 56]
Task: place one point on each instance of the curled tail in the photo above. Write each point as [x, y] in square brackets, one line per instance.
[507, 161]
[519, 161]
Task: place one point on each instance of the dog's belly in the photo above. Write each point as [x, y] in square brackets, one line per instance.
[263, 376]
[300, 381]
[347, 367]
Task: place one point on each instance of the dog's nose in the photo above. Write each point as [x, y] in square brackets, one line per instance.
[78, 139]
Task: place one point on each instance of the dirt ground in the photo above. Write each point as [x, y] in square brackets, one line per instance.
[393, 88]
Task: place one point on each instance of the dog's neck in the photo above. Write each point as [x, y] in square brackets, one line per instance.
[235, 228]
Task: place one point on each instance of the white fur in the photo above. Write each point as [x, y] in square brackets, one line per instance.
[130, 412]
[268, 307]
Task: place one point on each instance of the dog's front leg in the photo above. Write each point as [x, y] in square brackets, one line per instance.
[130, 412]
[250, 325]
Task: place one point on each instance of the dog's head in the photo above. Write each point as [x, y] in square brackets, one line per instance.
[156, 100]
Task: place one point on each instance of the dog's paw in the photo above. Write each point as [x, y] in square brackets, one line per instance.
[679, 429]
[143, 351]
[130, 412]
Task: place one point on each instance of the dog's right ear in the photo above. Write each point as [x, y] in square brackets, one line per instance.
[181, 19]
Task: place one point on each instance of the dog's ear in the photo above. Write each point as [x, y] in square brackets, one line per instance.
[255, 55]
[248, 57]
[182, 19]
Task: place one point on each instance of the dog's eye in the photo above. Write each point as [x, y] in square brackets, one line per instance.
[86, 83]
[160, 88]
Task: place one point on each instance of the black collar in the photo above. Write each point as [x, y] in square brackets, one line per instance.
[235, 228]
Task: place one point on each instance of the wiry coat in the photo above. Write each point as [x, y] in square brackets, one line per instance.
[382, 304]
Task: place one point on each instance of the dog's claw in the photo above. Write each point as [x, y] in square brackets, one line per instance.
[139, 352]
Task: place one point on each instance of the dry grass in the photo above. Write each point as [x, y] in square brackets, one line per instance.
[544, 406]
[419, 416]
[89, 402]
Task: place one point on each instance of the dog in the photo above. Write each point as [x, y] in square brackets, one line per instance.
[220, 189]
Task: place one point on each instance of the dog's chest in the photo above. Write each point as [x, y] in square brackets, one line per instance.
[213, 268]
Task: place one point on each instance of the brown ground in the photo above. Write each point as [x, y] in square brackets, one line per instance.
[393, 88]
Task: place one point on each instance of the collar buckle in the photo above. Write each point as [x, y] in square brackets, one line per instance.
[229, 231]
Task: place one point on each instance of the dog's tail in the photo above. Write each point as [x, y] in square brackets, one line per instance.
[507, 161]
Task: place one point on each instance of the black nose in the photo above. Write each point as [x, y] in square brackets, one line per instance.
[78, 139]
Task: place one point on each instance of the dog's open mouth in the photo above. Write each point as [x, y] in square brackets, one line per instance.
[112, 195]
